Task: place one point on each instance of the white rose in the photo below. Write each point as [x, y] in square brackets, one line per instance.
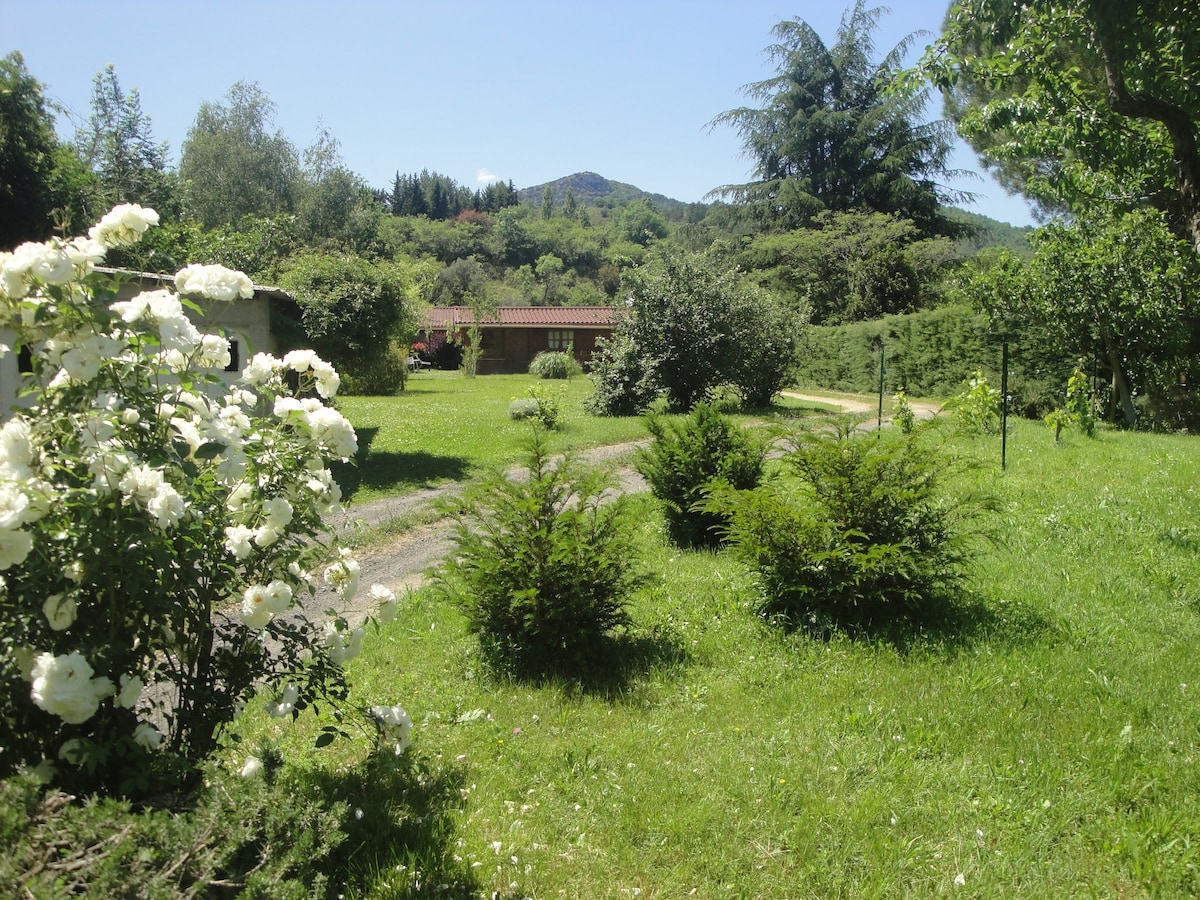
[237, 541]
[13, 504]
[332, 431]
[124, 224]
[386, 600]
[343, 576]
[14, 547]
[146, 735]
[265, 536]
[279, 596]
[214, 282]
[256, 606]
[278, 512]
[131, 692]
[178, 333]
[396, 725]
[63, 686]
[299, 360]
[214, 352]
[286, 702]
[60, 611]
[260, 369]
[16, 449]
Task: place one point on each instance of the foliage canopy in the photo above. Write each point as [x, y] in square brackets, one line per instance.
[1082, 103]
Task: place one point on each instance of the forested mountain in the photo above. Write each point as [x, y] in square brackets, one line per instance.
[987, 232]
[590, 189]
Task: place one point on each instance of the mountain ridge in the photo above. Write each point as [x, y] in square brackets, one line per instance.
[592, 189]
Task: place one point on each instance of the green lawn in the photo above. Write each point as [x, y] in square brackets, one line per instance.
[1042, 742]
[1043, 745]
[447, 427]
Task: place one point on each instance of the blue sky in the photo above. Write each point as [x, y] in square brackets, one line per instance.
[521, 90]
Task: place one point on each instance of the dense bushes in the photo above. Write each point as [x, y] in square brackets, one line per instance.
[352, 309]
[685, 459]
[542, 566]
[555, 364]
[862, 533]
[378, 376]
[693, 327]
[930, 354]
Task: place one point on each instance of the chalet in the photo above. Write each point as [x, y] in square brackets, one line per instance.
[511, 336]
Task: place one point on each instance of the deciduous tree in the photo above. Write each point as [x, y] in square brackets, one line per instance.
[1120, 289]
[1080, 103]
[352, 309]
[689, 328]
[42, 182]
[234, 165]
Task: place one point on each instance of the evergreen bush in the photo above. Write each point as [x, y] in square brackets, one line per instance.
[863, 534]
[684, 461]
[542, 566]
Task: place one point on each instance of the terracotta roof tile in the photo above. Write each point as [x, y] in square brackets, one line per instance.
[441, 317]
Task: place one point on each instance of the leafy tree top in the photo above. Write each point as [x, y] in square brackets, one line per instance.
[1082, 105]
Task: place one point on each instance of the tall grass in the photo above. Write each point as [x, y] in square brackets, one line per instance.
[1042, 742]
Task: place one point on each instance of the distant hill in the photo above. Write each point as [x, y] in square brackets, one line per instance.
[591, 189]
[990, 233]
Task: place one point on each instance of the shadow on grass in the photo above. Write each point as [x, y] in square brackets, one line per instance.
[400, 831]
[945, 623]
[385, 827]
[611, 669]
[389, 470]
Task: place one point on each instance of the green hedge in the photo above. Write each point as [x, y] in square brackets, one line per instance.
[931, 354]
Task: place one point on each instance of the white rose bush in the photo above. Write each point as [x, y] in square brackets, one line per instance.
[158, 524]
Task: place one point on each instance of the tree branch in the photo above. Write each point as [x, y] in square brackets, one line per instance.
[1179, 125]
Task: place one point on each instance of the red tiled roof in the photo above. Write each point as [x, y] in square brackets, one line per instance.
[445, 317]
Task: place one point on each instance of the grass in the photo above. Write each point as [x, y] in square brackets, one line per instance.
[1042, 742]
[446, 427]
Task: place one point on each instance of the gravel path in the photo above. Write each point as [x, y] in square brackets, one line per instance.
[400, 563]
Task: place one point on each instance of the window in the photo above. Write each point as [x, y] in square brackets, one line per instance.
[234, 357]
[491, 343]
[559, 338]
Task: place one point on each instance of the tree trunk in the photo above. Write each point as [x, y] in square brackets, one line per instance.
[1120, 382]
